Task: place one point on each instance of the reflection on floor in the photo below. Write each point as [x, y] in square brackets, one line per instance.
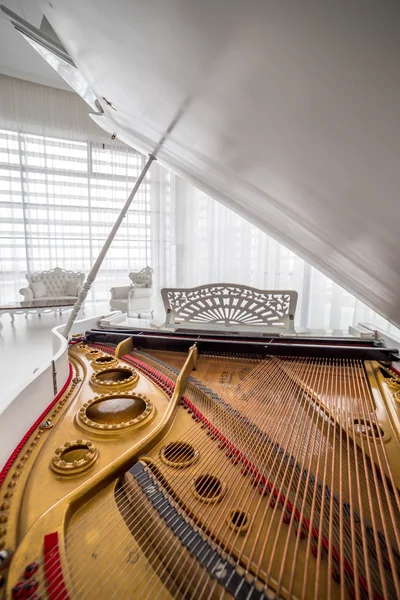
[26, 345]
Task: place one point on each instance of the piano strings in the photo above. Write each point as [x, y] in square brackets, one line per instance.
[290, 426]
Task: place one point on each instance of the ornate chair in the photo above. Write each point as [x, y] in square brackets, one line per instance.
[134, 298]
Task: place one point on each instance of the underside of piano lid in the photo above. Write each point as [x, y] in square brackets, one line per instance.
[290, 114]
[209, 468]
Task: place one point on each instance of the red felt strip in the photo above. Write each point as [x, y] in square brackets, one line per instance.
[52, 568]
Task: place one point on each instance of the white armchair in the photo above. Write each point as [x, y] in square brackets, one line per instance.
[137, 297]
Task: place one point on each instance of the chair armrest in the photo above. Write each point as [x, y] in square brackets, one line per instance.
[27, 293]
[139, 293]
[120, 293]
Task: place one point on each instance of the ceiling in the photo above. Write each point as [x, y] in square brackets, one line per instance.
[17, 59]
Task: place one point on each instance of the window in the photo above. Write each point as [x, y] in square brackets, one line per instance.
[58, 202]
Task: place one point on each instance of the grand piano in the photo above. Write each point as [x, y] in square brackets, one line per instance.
[200, 464]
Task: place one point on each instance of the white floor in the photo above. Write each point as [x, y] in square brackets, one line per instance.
[27, 345]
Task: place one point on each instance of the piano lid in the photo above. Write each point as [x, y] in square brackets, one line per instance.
[292, 115]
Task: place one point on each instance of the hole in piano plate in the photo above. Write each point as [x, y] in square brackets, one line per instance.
[116, 409]
[208, 488]
[178, 454]
[93, 353]
[77, 452]
[114, 375]
[104, 359]
[367, 427]
[239, 520]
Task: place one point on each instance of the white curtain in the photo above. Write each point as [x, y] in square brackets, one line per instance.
[63, 182]
[198, 240]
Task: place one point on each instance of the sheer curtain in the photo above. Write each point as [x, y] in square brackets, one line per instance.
[201, 241]
[63, 182]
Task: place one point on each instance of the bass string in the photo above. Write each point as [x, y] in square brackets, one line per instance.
[360, 510]
[311, 441]
[364, 559]
[217, 533]
[368, 399]
[341, 544]
[292, 478]
[378, 493]
[320, 505]
[331, 536]
[375, 497]
[348, 532]
[306, 492]
[304, 430]
[274, 467]
[360, 553]
[336, 432]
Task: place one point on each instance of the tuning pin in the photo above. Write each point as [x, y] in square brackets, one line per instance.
[18, 591]
[31, 569]
[336, 574]
[301, 532]
[30, 587]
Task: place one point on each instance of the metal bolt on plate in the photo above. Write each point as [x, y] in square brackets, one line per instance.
[4, 558]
